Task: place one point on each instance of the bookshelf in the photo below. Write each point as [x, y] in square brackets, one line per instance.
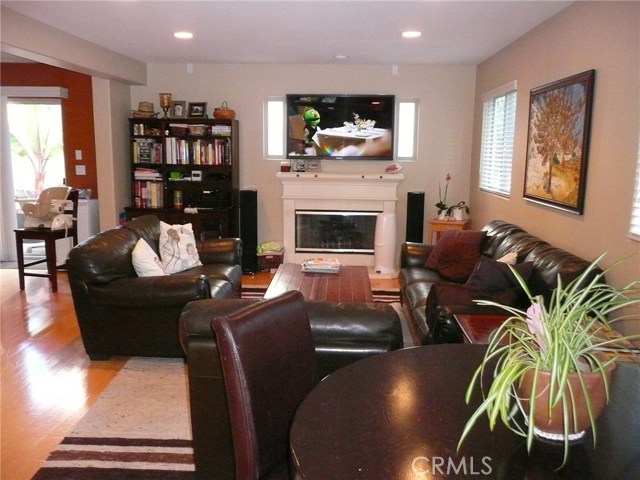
[186, 171]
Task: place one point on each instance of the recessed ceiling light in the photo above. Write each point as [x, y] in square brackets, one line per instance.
[411, 34]
[183, 35]
[340, 56]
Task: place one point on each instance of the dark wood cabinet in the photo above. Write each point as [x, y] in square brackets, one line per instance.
[186, 171]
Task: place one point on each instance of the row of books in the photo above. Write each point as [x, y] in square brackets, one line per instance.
[198, 152]
[148, 194]
[147, 150]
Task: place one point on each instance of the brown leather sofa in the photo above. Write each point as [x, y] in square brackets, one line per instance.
[429, 300]
[120, 313]
[342, 333]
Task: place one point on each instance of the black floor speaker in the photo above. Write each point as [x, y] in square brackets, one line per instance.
[249, 230]
[415, 216]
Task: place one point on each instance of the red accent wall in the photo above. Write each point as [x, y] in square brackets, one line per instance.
[77, 114]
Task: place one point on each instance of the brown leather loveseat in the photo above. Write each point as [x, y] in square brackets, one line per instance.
[342, 333]
[120, 313]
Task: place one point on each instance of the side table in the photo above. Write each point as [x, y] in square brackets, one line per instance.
[436, 227]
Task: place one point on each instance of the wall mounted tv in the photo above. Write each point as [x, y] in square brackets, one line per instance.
[340, 127]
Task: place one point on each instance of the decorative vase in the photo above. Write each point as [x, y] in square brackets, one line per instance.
[549, 423]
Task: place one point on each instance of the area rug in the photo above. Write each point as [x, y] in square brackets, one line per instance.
[381, 296]
[139, 428]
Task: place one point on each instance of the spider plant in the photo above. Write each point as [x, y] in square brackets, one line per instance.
[564, 338]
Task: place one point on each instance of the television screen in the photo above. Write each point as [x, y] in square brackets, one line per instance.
[340, 127]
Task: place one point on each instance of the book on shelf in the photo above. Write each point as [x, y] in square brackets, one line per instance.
[147, 150]
[321, 265]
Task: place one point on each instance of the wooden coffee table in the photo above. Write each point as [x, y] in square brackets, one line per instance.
[350, 284]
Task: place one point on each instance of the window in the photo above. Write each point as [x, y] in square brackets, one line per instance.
[498, 130]
[634, 229]
[407, 129]
[274, 128]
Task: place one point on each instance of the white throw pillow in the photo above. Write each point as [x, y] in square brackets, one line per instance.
[178, 248]
[511, 258]
[145, 261]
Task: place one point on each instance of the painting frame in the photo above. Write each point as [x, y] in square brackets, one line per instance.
[178, 109]
[197, 109]
[558, 142]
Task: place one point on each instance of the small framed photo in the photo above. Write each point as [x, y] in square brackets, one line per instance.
[178, 109]
[197, 109]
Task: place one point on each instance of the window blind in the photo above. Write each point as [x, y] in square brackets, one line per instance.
[634, 229]
[498, 131]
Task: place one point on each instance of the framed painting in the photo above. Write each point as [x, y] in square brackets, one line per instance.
[558, 142]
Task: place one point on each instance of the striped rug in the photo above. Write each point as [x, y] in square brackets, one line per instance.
[382, 296]
[138, 429]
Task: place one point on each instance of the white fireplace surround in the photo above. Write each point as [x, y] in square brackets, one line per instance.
[334, 191]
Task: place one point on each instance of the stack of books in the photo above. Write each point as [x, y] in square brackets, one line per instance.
[321, 265]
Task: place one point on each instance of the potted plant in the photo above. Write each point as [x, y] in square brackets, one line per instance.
[559, 345]
[442, 201]
[459, 211]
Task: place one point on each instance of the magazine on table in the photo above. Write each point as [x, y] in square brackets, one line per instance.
[321, 265]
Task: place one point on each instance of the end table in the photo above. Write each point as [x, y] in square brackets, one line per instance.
[436, 227]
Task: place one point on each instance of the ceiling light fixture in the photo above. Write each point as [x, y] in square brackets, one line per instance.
[411, 34]
[340, 56]
[183, 35]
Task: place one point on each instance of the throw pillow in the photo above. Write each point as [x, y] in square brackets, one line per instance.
[457, 261]
[448, 293]
[145, 260]
[491, 275]
[178, 247]
[463, 243]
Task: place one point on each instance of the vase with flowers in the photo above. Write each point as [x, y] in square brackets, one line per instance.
[551, 375]
[442, 200]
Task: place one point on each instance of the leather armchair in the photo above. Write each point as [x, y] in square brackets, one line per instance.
[342, 333]
[120, 313]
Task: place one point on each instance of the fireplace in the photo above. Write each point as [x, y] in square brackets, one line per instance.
[331, 214]
[335, 231]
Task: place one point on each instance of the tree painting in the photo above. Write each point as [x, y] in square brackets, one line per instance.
[36, 144]
[558, 130]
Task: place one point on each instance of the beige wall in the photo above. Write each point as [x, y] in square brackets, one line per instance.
[604, 36]
[445, 93]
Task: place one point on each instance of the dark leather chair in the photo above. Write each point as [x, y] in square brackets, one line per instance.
[267, 374]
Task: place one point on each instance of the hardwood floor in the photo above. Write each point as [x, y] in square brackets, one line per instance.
[47, 380]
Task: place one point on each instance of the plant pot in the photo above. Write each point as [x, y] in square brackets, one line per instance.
[549, 423]
[459, 214]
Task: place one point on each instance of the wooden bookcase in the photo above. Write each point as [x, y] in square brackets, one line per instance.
[179, 165]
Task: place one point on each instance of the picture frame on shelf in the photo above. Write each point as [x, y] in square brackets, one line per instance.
[558, 142]
[178, 109]
[197, 109]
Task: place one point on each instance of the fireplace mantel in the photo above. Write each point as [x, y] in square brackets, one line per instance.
[334, 191]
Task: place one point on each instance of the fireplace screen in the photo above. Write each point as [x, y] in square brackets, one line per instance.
[335, 231]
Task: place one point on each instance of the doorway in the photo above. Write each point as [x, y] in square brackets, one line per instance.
[36, 152]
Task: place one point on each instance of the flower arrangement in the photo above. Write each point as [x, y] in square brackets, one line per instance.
[442, 201]
[561, 344]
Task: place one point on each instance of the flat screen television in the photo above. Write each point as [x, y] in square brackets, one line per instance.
[340, 127]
